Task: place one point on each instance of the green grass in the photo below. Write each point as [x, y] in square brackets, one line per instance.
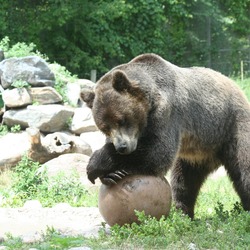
[245, 86]
[220, 223]
[25, 182]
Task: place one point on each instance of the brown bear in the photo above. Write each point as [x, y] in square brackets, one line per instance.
[158, 116]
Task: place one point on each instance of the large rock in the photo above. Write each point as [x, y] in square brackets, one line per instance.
[12, 147]
[73, 90]
[52, 145]
[83, 121]
[44, 95]
[68, 164]
[96, 140]
[32, 69]
[17, 97]
[47, 118]
[62, 139]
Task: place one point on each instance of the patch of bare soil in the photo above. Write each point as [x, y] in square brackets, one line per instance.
[31, 222]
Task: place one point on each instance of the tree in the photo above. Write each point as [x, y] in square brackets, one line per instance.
[99, 34]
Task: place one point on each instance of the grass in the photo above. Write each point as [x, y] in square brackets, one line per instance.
[245, 86]
[25, 182]
[220, 223]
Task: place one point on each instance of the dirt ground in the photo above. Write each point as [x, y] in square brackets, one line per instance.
[31, 221]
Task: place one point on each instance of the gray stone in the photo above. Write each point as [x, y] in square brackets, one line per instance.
[32, 69]
[67, 163]
[73, 90]
[47, 118]
[44, 95]
[12, 147]
[95, 139]
[64, 140]
[17, 97]
[83, 121]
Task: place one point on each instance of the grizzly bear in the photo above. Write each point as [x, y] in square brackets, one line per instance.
[158, 116]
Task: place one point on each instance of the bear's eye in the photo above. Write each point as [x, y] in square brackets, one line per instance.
[121, 122]
[106, 130]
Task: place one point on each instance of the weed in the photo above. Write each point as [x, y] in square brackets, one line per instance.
[15, 128]
[20, 84]
[3, 129]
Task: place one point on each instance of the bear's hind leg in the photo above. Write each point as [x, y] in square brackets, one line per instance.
[237, 163]
[186, 181]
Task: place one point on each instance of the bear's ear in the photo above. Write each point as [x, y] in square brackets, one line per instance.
[88, 96]
[121, 82]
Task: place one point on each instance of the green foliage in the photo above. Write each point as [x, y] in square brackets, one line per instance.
[85, 35]
[15, 129]
[30, 184]
[19, 49]
[20, 84]
[245, 86]
[3, 129]
[26, 180]
[63, 76]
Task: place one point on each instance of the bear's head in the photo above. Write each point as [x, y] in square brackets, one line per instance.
[120, 109]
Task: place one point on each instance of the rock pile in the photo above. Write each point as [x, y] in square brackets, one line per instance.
[27, 88]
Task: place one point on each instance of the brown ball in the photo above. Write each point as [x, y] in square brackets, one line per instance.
[135, 192]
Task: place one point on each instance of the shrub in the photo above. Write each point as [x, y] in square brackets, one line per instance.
[30, 184]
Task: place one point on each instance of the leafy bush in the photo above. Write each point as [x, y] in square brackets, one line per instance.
[225, 230]
[63, 76]
[4, 129]
[30, 184]
[19, 49]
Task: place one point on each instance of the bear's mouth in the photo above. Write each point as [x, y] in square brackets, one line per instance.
[125, 148]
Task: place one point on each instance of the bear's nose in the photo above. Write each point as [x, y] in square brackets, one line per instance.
[121, 148]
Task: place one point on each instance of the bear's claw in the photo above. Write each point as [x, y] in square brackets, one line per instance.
[112, 178]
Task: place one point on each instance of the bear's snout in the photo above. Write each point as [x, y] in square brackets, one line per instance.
[125, 146]
[122, 148]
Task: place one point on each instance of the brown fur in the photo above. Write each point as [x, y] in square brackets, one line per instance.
[159, 116]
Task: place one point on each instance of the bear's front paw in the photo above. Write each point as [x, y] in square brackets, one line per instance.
[113, 178]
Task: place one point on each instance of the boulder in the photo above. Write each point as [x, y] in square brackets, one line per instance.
[95, 139]
[31, 69]
[62, 139]
[44, 95]
[43, 149]
[47, 118]
[82, 121]
[12, 147]
[17, 97]
[68, 164]
[73, 90]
